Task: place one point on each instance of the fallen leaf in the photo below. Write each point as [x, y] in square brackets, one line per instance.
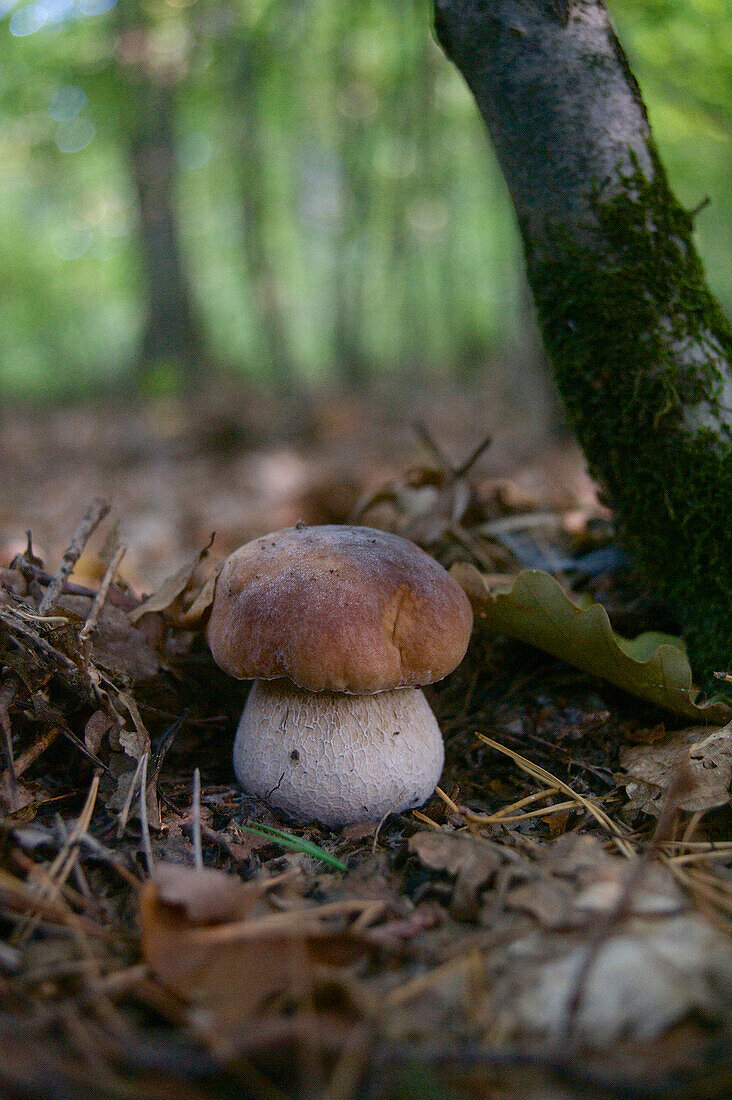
[549, 900]
[471, 861]
[236, 971]
[536, 610]
[167, 596]
[95, 730]
[204, 895]
[117, 645]
[194, 615]
[641, 982]
[648, 769]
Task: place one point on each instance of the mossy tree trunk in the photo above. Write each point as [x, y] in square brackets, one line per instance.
[641, 351]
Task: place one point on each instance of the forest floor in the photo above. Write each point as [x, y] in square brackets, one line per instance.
[548, 926]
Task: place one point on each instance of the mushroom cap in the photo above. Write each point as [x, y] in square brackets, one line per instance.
[338, 608]
[337, 758]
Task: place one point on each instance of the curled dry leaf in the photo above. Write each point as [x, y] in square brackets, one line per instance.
[97, 727]
[200, 895]
[471, 861]
[202, 941]
[648, 769]
[170, 598]
[537, 610]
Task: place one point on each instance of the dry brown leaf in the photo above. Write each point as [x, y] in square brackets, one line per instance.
[644, 979]
[203, 895]
[167, 597]
[95, 730]
[234, 971]
[472, 861]
[650, 768]
[194, 614]
[117, 645]
[549, 900]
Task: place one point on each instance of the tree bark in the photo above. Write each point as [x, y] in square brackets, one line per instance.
[171, 336]
[641, 351]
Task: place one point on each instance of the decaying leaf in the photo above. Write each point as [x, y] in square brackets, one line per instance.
[202, 941]
[648, 769]
[117, 645]
[471, 861]
[535, 609]
[202, 896]
[96, 729]
[642, 981]
[169, 597]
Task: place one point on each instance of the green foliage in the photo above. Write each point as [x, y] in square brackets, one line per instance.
[338, 208]
[537, 610]
[289, 840]
[681, 52]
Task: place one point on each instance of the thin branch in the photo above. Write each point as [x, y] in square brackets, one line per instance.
[92, 619]
[196, 815]
[146, 843]
[94, 515]
[7, 694]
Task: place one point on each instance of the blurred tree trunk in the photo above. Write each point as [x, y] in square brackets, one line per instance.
[640, 349]
[266, 285]
[171, 337]
[149, 84]
[353, 130]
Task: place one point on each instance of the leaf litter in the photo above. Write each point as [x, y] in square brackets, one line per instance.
[536, 914]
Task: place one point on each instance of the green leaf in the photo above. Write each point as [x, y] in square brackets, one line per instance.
[535, 609]
[288, 840]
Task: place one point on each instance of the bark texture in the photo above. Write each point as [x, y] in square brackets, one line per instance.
[640, 348]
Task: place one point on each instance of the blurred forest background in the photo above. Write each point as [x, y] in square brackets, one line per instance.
[289, 190]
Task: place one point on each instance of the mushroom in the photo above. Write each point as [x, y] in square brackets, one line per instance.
[348, 623]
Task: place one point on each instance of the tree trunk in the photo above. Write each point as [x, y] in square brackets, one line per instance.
[171, 337]
[640, 348]
[264, 279]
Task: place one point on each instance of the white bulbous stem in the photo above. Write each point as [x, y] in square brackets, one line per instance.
[336, 758]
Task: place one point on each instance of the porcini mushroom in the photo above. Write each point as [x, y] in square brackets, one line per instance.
[348, 623]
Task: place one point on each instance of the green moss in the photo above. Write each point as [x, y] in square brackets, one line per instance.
[628, 396]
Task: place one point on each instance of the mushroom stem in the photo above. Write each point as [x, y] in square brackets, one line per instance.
[338, 758]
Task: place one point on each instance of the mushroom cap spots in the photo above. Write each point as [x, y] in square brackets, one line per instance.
[337, 758]
[338, 608]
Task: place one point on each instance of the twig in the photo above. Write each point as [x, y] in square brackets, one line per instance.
[63, 863]
[378, 827]
[196, 822]
[168, 739]
[17, 625]
[120, 597]
[423, 434]
[125, 811]
[87, 630]
[473, 457]
[7, 694]
[146, 843]
[551, 780]
[95, 514]
[425, 819]
[39, 746]
[300, 921]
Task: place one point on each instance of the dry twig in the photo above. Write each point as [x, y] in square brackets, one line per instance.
[95, 513]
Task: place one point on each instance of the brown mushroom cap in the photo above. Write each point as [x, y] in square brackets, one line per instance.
[340, 609]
